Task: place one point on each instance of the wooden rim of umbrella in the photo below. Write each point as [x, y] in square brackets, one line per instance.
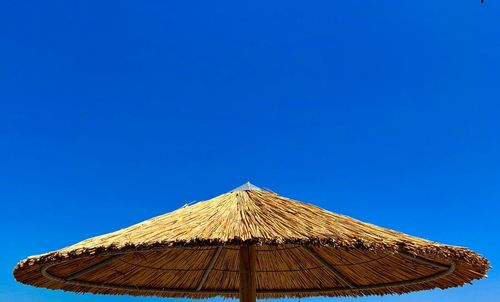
[252, 243]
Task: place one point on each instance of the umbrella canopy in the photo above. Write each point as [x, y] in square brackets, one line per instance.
[252, 243]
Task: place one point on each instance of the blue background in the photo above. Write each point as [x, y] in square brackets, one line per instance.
[112, 112]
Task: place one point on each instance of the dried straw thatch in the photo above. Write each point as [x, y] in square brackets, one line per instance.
[301, 250]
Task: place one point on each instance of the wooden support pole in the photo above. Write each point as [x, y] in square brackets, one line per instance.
[248, 275]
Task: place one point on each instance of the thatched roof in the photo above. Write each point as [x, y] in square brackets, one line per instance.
[302, 250]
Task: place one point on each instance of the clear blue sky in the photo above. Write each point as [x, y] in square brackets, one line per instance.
[111, 113]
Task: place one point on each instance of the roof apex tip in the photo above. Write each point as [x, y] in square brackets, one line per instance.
[246, 187]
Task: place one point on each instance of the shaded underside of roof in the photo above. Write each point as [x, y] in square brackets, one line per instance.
[282, 271]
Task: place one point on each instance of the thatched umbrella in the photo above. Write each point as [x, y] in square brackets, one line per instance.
[252, 243]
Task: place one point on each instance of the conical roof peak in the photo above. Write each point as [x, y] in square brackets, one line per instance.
[246, 187]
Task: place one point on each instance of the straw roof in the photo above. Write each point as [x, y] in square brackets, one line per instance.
[302, 250]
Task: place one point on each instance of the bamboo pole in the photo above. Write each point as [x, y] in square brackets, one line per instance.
[248, 275]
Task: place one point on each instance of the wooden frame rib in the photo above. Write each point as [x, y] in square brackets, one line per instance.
[93, 267]
[447, 270]
[209, 268]
[329, 267]
[421, 260]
